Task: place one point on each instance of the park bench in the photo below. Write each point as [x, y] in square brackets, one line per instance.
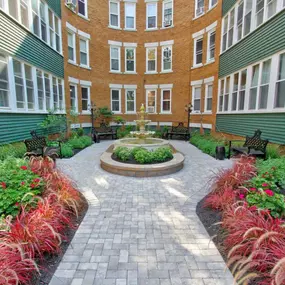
[37, 146]
[179, 130]
[254, 146]
[103, 131]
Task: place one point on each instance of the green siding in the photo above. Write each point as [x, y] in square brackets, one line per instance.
[272, 125]
[265, 41]
[227, 5]
[18, 42]
[55, 5]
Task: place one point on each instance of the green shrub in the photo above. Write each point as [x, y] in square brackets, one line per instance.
[272, 151]
[86, 140]
[16, 150]
[66, 150]
[123, 153]
[162, 154]
[144, 156]
[80, 132]
[76, 143]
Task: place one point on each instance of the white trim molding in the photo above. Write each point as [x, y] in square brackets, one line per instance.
[86, 125]
[155, 86]
[196, 82]
[130, 44]
[114, 43]
[165, 86]
[151, 44]
[85, 83]
[73, 80]
[212, 26]
[128, 86]
[71, 28]
[84, 35]
[167, 43]
[209, 79]
[198, 34]
[119, 86]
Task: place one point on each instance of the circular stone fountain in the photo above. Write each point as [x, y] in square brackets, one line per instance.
[143, 139]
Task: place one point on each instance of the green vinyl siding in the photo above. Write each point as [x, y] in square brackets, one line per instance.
[227, 5]
[55, 6]
[264, 42]
[272, 125]
[18, 42]
[17, 127]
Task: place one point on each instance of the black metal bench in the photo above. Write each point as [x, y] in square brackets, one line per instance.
[179, 130]
[103, 131]
[254, 146]
[37, 146]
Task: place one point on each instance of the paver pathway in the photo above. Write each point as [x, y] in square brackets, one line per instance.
[142, 230]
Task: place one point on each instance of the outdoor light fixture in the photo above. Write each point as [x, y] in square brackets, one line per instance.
[188, 109]
[92, 107]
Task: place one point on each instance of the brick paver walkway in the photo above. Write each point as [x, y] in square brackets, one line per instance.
[142, 230]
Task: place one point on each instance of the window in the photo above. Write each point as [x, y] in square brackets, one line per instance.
[271, 8]
[84, 52]
[167, 12]
[73, 98]
[47, 91]
[4, 83]
[13, 8]
[36, 19]
[71, 47]
[239, 21]
[197, 99]
[116, 100]
[151, 18]
[198, 49]
[24, 13]
[151, 54]
[209, 98]
[130, 101]
[60, 95]
[130, 16]
[114, 14]
[235, 92]
[253, 88]
[241, 99]
[82, 7]
[55, 93]
[199, 7]
[29, 87]
[221, 96]
[115, 55]
[225, 33]
[211, 46]
[166, 58]
[51, 28]
[85, 98]
[151, 101]
[212, 3]
[57, 34]
[227, 94]
[40, 84]
[19, 84]
[259, 12]
[231, 28]
[43, 22]
[130, 56]
[166, 101]
[264, 86]
[247, 17]
[280, 85]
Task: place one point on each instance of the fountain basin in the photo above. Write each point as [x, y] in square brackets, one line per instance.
[147, 143]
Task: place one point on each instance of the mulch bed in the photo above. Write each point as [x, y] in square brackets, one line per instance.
[133, 161]
[50, 263]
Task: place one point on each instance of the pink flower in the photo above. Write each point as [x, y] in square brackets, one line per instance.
[23, 183]
[252, 189]
[264, 185]
[252, 208]
[17, 204]
[4, 185]
[241, 196]
[37, 180]
[269, 192]
[24, 167]
[32, 185]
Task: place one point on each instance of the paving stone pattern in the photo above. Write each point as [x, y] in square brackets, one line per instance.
[142, 231]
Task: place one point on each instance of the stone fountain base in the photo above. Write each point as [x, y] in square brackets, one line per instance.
[147, 143]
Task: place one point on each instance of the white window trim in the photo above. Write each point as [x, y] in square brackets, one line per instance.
[86, 10]
[212, 6]
[196, 84]
[69, 31]
[161, 100]
[119, 16]
[120, 99]
[195, 50]
[112, 45]
[87, 51]
[135, 16]
[210, 83]
[153, 71]
[82, 85]
[135, 59]
[76, 96]
[135, 99]
[196, 7]
[147, 89]
[210, 60]
[162, 65]
[156, 20]
[172, 19]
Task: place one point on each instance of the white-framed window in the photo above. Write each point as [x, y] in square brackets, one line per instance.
[85, 98]
[240, 21]
[225, 33]
[114, 14]
[271, 8]
[235, 92]
[24, 12]
[209, 97]
[166, 95]
[71, 46]
[116, 100]
[41, 92]
[254, 87]
[4, 82]
[57, 24]
[29, 87]
[227, 94]
[130, 59]
[212, 3]
[115, 59]
[73, 97]
[196, 98]
[259, 14]
[130, 95]
[36, 18]
[242, 87]
[130, 16]
[82, 8]
[19, 84]
[198, 51]
[221, 95]
[151, 60]
[55, 93]
[151, 15]
[84, 52]
[51, 28]
[167, 13]
[60, 95]
[13, 9]
[280, 83]
[199, 7]
[166, 60]
[151, 100]
[231, 28]
[47, 91]
[247, 17]
[211, 45]
[43, 21]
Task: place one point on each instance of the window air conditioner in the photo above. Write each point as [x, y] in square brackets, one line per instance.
[167, 23]
[71, 5]
[150, 109]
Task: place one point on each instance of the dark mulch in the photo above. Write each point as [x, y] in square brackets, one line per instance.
[133, 161]
[50, 263]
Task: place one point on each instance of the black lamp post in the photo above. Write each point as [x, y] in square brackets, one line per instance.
[92, 108]
[188, 109]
